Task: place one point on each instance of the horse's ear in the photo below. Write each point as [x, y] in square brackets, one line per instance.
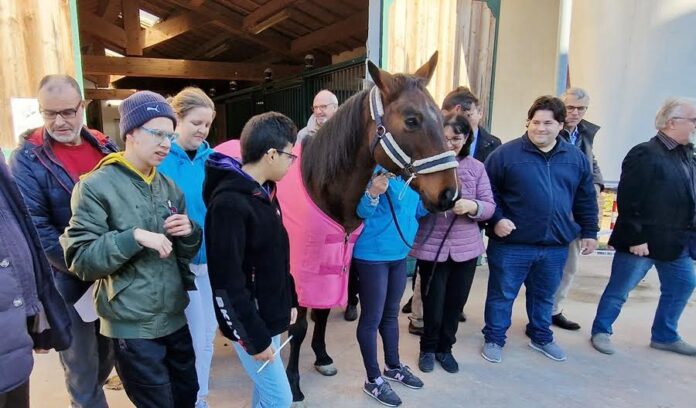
[381, 78]
[428, 69]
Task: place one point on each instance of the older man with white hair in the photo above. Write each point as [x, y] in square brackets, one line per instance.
[655, 227]
[580, 133]
[323, 108]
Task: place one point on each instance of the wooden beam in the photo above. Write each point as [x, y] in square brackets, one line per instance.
[172, 27]
[174, 68]
[99, 27]
[353, 25]
[269, 22]
[108, 9]
[232, 22]
[209, 46]
[265, 11]
[102, 81]
[108, 93]
[131, 24]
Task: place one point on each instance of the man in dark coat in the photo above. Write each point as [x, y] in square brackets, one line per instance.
[32, 313]
[655, 227]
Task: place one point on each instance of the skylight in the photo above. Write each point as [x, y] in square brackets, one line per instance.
[147, 20]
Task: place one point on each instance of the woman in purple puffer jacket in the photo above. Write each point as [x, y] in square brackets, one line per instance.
[447, 246]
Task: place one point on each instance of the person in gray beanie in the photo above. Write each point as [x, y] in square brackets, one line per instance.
[129, 232]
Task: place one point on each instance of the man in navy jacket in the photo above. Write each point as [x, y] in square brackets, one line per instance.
[545, 199]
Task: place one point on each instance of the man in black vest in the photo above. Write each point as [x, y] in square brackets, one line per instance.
[581, 133]
[655, 227]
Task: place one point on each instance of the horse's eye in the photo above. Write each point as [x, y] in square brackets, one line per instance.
[411, 122]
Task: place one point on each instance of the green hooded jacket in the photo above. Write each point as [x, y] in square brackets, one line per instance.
[137, 294]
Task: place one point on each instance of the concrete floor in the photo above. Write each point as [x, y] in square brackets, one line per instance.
[637, 376]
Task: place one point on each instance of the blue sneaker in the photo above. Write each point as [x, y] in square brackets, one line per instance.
[492, 352]
[403, 375]
[382, 392]
[550, 350]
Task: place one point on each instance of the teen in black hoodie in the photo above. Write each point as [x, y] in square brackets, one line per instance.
[248, 251]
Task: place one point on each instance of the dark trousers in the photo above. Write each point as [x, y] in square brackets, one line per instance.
[16, 398]
[381, 286]
[447, 292]
[158, 373]
[353, 285]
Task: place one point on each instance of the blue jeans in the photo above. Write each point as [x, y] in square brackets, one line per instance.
[202, 323]
[677, 282]
[271, 386]
[540, 269]
[381, 286]
[87, 363]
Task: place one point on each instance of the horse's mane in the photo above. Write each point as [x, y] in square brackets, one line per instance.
[332, 150]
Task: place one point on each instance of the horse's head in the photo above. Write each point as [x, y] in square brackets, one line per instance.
[409, 133]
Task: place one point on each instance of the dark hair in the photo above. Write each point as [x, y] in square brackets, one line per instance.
[460, 96]
[460, 125]
[270, 130]
[548, 103]
[48, 80]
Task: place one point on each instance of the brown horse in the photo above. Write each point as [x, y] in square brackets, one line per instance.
[338, 162]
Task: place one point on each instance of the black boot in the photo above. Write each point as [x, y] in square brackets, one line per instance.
[407, 306]
[351, 313]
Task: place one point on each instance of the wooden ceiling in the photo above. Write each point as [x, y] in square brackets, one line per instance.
[210, 42]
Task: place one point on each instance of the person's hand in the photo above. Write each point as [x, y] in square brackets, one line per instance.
[293, 315]
[640, 250]
[266, 355]
[588, 246]
[464, 206]
[379, 185]
[155, 241]
[178, 225]
[504, 228]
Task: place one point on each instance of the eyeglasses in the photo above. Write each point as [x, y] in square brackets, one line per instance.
[580, 109]
[161, 135]
[322, 107]
[692, 120]
[454, 140]
[291, 156]
[65, 113]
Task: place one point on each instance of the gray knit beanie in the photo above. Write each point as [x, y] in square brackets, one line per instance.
[140, 107]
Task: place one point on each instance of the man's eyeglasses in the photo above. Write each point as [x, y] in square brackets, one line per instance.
[322, 108]
[161, 135]
[65, 113]
[579, 109]
[692, 120]
[291, 156]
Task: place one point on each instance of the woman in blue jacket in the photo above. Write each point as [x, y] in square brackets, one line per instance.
[379, 257]
[185, 164]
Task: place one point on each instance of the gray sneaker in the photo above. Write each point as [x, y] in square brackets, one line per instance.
[679, 347]
[403, 375]
[492, 352]
[382, 392]
[602, 343]
[550, 350]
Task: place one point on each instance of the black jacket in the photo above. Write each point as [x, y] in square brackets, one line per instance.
[248, 256]
[655, 201]
[23, 296]
[485, 144]
[587, 131]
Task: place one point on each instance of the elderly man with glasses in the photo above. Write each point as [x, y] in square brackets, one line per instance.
[46, 166]
[580, 133]
[323, 108]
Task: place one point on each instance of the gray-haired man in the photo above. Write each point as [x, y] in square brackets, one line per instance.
[580, 133]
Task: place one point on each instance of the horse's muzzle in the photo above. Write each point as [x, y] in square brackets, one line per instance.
[447, 199]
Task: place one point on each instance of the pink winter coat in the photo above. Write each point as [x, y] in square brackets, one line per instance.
[464, 241]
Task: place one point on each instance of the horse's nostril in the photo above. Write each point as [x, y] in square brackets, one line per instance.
[447, 198]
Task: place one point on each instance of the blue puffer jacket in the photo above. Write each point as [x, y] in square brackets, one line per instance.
[380, 240]
[46, 188]
[551, 201]
[189, 175]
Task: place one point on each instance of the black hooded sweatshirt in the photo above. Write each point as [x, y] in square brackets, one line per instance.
[248, 255]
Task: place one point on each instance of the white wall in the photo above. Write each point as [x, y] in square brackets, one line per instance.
[526, 61]
[630, 55]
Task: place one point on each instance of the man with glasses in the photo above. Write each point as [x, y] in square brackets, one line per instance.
[580, 133]
[46, 166]
[323, 108]
[655, 227]
[129, 231]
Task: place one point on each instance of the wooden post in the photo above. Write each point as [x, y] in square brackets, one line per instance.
[131, 24]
